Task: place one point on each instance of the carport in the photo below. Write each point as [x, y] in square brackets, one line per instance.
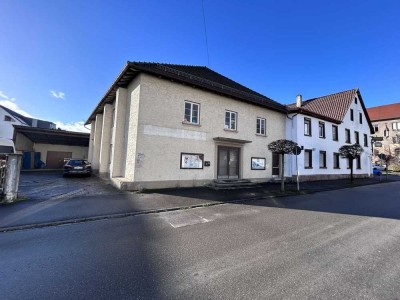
[47, 148]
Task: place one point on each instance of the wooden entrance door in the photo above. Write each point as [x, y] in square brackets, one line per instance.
[275, 164]
[228, 163]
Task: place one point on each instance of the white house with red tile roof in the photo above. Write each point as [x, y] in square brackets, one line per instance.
[321, 126]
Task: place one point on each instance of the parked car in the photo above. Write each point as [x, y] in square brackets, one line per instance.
[77, 167]
[376, 171]
[379, 167]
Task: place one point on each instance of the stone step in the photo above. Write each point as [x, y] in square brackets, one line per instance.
[232, 184]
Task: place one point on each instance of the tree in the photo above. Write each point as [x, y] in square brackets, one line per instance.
[282, 147]
[350, 152]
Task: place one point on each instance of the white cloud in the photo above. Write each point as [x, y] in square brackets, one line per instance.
[10, 103]
[4, 96]
[58, 95]
[73, 126]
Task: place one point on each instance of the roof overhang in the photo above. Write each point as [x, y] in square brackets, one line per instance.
[52, 136]
[131, 70]
[229, 140]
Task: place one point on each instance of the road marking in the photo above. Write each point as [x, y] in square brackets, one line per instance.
[182, 218]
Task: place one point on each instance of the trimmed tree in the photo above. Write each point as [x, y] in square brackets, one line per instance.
[282, 147]
[350, 152]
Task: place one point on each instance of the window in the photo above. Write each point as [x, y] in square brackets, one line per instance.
[230, 120]
[336, 161]
[307, 126]
[261, 126]
[348, 139]
[322, 159]
[335, 135]
[321, 129]
[396, 126]
[7, 119]
[376, 128]
[396, 140]
[386, 132]
[365, 140]
[361, 118]
[358, 162]
[192, 111]
[355, 100]
[348, 163]
[357, 137]
[351, 114]
[308, 159]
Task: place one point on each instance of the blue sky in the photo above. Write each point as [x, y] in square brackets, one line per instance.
[57, 58]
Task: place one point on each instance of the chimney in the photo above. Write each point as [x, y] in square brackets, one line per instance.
[298, 101]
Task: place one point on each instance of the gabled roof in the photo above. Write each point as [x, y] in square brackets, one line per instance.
[384, 112]
[27, 120]
[53, 136]
[332, 108]
[198, 76]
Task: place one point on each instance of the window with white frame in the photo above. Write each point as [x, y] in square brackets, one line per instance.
[322, 130]
[261, 126]
[358, 162]
[335, 135]
[322, 159]
[365, 140]
[396, 126]
[192, 112]
[347, 135]
[357, 137]
[308, 159]
[230, 120]
[307, 126]
[336, 160]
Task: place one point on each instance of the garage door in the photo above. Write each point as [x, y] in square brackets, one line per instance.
[55, 159]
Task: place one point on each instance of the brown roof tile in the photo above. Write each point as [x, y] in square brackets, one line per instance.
[333, 107]
[384, 112]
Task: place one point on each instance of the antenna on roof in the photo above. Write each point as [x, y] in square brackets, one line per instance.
[205, 32]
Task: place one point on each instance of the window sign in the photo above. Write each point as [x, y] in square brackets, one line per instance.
[258, 163]
[192, 161]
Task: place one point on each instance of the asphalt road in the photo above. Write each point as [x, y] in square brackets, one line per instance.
[230, 251]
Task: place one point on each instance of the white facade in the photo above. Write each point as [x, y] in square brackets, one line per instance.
[295, 130]
[149, 137]
[6, 127]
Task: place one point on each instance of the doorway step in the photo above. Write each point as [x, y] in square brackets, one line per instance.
[226, 184]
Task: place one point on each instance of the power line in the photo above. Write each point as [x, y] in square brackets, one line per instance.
[205, 32]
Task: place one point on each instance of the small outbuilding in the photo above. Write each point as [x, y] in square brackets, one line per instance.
[47, 148]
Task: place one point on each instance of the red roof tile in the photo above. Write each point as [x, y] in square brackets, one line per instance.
[333, 107]
[384, 112]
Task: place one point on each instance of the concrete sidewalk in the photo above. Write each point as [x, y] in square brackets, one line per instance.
[59, 201]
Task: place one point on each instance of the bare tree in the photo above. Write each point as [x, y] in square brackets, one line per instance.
[282, 147]
[350, 152]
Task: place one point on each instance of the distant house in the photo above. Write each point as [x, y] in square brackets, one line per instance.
[8, 118]
[386, 122]
[162, 125]
[322, 125]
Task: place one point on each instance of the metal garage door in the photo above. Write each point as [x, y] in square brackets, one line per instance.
[55, 159]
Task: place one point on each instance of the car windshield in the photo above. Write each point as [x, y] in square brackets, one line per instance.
[77, 162]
